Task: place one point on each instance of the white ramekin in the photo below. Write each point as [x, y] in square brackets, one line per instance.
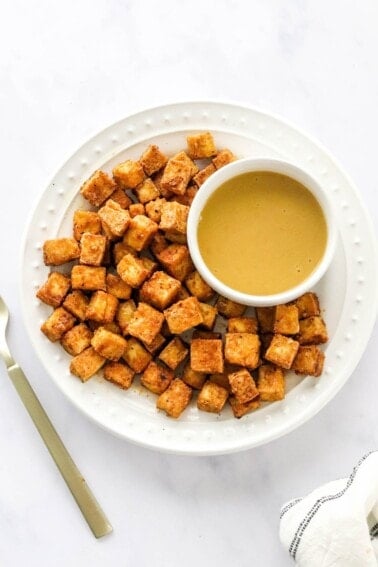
[244, 166]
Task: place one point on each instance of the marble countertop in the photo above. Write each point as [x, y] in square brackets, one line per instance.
[67, 70]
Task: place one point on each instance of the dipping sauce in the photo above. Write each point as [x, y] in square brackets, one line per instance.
[262, 233]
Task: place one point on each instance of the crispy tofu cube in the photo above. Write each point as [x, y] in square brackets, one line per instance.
[209, 315]
[158, 244]
[154, 209]
[198, 287]
[97, 188]
[312, 331]
[92, 249]
[128, 174]
[286, 320]
[152, 159]
[242, 325]
[174, 353]
[282, 351]
[183, 294]
[140, 232]
[77, 339]
[120, 197]
[242, 349]
[206, 355]
[132, 270]
[183, 315]
[187, 197]
[86, 364]
[174, 217]
[102, 307]
[176, 260]
[177, 174]
[243, 386]
[194, 379]
[271, 383]
[229, 308]
[175, 398]
[136, 209]
[108, 344]
[156, 378]
[88, 278]
[156, 178]
[223, 158]
[59, 251]
[212, 398]
[125, 313]
[156, 344]
[147, 191]
[55, 289]
[309, 360]
[86, 221]
[119, 374]
[201, 145]
[59, 322]
[308, 305]
[136, 356]
[76, 303]
[115, 217]
[113, 327]
[239, 409]
[160, 290]
[117, 287]
[149, 264]
[145, 323]
[175, 237]
[120, 250]
[200, 178]
[265, 317]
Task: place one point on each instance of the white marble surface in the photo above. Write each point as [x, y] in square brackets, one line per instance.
[67, 70]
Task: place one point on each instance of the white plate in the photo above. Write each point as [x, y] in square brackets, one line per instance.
[348, 292]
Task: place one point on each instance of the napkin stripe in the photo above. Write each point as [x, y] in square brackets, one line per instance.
[311, 513]
[287, 507]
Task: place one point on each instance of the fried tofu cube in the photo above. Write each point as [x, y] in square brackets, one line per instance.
[77, 339]
[177, 174]
[308, 305]
[76, 303]
[175, 398]
[183, 294]
[309, 360]
[152, 159]
[243, 386]
[198, 287]
[120, 250]
[98, 188]
[113, 327]
[286, 320]
[201, 145]
[160, 290]
[156, 344]
[174, 217]
[102, 307]
[136, 356]
[154, 209]
[242, 349]
[119, 374]
[55, 289]
[132, 270]
[174, 353]
[117, 287]
[149, 264]
[88, 278]
[209, 315]
[187, 197]
[206, 355]
[173, 236]
[183, 315]
[156, 178]
[147, 191]
[140, 232]
[59, 251]
[242, 325]
[108, 344]
[128, 174]
[146, 323]
[85, 221]
[136, 209]
[86, 364]
[223, 158]
[193, 378]
[239, 409]
[271, 383]
[92, 249]
[265, 317]
[120, 197]
[115, 217]
[59, 322]
[212, 398]
[282, 351]
[156, 378]
[125, 313]
[229, 308]
[200, 178]
[312, 331]
[158, 244]
[176, 260]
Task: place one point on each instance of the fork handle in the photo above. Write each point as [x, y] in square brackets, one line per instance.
[84, 497]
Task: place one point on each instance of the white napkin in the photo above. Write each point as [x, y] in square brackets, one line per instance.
[337, 524]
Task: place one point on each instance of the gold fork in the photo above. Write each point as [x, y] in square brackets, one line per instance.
[84, 497]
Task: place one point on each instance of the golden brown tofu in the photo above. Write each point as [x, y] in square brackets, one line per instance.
[146, 323]
[88, 278]
[174, 217]
[102, 307]
[177, 174]
[59, 322]
[119, 374]
[182, 294]
[308, 305]
[112, 327]
[312, 331]
[92, 249]
[76, 303]
[59, 251]
[242, 349]
[154, 209]
[206, 355]
[201, 145]
[229, 308]
[173, 236]
[176, 260]
[128, 174]
[265, 317]
[77, 339]
[242, 325]
[174, 353]
[187, 197]
[200, 178]
[97, 188]
[152, 159]
[132, 270]
[198, 287]
[124, 315]
[55, 289]
[120, 250]
[194, 379]
[209, 315]
[86, 221]
[286, 320]
[309, 360]
[160, 290]
[149, 264]
[120, 197]
[239, 409]
[271, 383]
[158, 244]
[86, 364]
[115, 217]
[136, 356]
[156, 344]
[282, 351]
[140, 232]
[108, 344]
[156, 378]
[212, 398]
[117, 287]
[223, 158]
[175, 398]
[147, 191]
[183, 315]
[136, 209]
[243, 386]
